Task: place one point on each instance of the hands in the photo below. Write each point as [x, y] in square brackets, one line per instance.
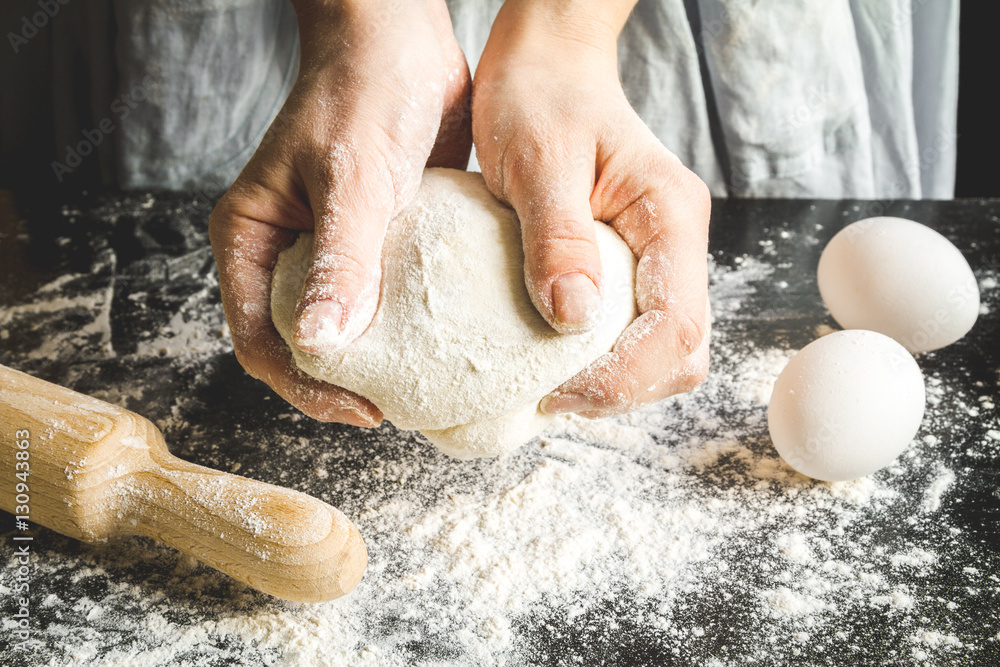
[558, 141]
[383, 89]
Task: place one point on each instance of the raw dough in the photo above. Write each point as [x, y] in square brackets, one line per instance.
[456, 350]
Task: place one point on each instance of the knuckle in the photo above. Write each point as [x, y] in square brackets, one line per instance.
[621, 394]
[218, 220]
[562, 251]
[688, 332]
[606, 404]
[610, 383]
[627, 397]
[700, 197]
[695, 192]
[678, 183]
[695, 374]
[569, 237]
[664, 167]
[333, 270]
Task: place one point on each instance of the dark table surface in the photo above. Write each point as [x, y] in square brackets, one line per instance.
[115, 295]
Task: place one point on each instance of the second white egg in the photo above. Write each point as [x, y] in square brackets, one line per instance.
[846, 405]
[899, 278]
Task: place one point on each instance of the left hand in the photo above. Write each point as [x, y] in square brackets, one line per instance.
[558, 141]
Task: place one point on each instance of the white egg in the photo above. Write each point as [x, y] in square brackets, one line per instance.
[846, 405]
[899, 278]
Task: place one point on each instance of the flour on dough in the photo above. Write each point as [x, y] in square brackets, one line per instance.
[456, 350]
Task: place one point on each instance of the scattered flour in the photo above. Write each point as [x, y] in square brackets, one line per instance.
[667, 528]
[86, 296]
[187, 335]
[937, 489]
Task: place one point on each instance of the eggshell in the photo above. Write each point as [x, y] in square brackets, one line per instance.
[899, 278]
[846, 405]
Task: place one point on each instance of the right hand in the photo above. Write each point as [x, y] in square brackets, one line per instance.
[383, 90]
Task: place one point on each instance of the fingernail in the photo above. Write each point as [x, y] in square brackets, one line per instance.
[576, 304]
[358, 418]
[348, 415]
[319, 326]
[554, 404]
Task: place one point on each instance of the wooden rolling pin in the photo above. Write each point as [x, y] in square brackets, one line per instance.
[96, 471]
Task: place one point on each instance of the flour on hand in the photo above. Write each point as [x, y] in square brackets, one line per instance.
[456, 349]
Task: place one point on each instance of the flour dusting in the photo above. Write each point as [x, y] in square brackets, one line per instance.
[672, 531]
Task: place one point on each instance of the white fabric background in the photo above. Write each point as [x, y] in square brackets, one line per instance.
[786, 98]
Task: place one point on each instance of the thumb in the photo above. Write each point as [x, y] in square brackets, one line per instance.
[562, 264]
[341, 290]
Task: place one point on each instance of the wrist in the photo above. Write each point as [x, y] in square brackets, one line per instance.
[318, 19]
[549, 32]
[592, 23]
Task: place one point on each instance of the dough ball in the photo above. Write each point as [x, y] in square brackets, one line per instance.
[456, 350]
[846, 405]
[899, 278]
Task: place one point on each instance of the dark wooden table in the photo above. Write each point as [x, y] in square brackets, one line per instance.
[141, 266]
